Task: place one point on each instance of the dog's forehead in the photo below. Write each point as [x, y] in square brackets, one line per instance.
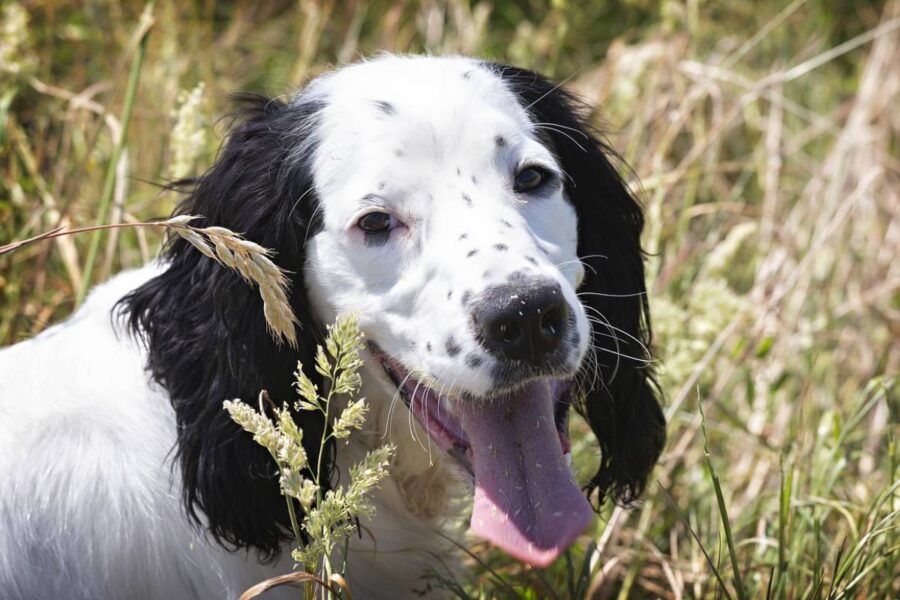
[442, 90]
[418, 113]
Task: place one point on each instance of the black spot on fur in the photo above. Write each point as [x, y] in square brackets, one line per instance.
[452, 347]
[474, 180]
[449, 294]
[399, 152]
[501, 247]
[486, 274]
[500, 141]
[458, 171]
[532, 260]
[386, 107]
[506, 223]
[467, 75]
[473, 360]
[472, 253]
[464, 236]
[467, 295]
[381, 185]
[468, 199]
[428, 346]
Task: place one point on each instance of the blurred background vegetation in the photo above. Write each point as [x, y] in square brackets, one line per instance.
[763, 137]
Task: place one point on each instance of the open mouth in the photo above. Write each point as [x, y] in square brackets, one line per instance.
[516, 447]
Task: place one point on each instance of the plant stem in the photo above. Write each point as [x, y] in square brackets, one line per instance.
[144, 26]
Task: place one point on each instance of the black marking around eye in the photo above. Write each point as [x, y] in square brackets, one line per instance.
[501, 247]
[473, 360]
[468, 199]
[505, 222]
[472, 253]
[500, 141]
[386, 107]
[465, 297]
[531, 260]
[452, 347]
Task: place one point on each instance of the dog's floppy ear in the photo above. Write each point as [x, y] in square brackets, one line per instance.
[622, 406]
[205, 330]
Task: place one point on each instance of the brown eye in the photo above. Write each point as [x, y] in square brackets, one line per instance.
[528, 179]
[376, 222]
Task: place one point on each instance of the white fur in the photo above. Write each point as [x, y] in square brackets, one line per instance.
[90, 501]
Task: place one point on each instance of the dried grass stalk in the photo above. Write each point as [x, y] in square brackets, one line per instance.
[252, 262]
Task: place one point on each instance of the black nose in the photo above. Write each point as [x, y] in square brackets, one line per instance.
[522, 323]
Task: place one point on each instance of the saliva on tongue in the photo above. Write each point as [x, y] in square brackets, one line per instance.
[526, 501]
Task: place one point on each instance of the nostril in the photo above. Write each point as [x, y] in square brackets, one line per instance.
[552, 322]
[508, 332]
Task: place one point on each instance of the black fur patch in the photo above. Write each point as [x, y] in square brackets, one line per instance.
[473, 360]
[206, 335]
[386, 107]
[452, 347]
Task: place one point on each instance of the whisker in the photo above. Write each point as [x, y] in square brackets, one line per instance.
[622, 331]
[634, 295]
[563, 133]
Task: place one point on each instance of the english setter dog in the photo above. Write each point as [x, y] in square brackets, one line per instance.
[466, 212]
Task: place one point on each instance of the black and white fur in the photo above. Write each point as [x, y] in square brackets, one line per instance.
[121, 476]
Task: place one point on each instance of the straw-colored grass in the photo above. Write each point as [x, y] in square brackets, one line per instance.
[763, 138]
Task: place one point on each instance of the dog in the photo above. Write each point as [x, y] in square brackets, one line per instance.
[469, 216]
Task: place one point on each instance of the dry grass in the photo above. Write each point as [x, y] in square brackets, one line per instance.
[764, 139]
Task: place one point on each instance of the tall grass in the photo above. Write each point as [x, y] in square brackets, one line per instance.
[763, 138]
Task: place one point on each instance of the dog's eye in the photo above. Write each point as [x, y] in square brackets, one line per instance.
[529, 178]
[376, 222]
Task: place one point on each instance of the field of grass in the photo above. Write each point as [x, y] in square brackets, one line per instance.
[764, 138]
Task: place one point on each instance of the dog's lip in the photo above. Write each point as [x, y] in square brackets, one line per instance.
[437, 412]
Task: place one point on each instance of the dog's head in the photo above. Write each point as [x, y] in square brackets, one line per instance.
[474, 223]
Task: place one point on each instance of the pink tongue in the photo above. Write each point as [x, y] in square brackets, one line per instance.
[526, 501]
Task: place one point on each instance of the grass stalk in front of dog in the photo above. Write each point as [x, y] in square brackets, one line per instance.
[329, 515]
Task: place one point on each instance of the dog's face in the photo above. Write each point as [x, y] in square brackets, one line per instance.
[445, 226]
[466, 213]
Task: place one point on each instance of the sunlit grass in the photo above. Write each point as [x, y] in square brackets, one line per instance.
[763, 138]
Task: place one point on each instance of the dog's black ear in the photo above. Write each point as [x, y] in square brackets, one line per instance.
[205, 330]
[621, 406]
